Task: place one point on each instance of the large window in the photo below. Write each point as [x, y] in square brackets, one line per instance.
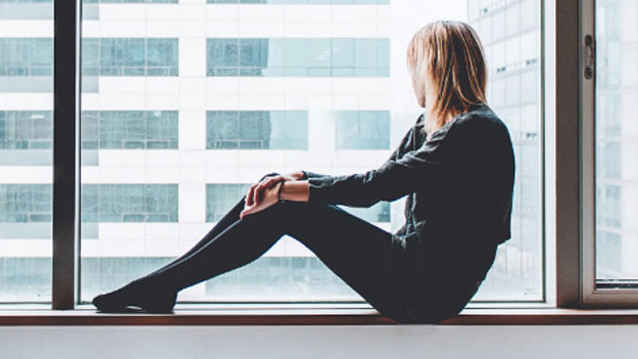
[185, 105]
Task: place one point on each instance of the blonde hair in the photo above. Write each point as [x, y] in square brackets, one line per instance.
[447, 56]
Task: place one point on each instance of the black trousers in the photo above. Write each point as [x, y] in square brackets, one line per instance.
[369, 259]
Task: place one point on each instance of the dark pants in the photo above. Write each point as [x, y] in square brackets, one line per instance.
[369, 259]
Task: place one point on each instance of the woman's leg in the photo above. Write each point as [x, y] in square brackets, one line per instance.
[363, 255]
[229, 218]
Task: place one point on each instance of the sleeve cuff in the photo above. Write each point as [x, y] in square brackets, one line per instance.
[320, 189]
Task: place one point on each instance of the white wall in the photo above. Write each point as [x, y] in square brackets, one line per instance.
[307, 342]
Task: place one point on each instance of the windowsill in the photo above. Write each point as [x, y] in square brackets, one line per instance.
[229, 315]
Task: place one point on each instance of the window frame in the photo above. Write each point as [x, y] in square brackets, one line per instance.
[66, 151]
[67, 23]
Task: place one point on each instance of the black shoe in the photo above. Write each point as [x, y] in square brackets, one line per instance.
[136, 297]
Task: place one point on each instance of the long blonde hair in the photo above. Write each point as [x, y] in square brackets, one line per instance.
[448, 57]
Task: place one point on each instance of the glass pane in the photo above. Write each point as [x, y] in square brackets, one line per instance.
[26, 139]
[185, 105]
[510, 32]
[616, 143]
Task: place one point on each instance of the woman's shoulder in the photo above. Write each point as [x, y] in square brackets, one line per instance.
[479, 120]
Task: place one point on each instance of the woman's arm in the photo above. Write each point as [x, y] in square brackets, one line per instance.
[396, 178]
[284, 190]
[296, 191]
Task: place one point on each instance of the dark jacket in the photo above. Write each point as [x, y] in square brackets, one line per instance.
[459, 186]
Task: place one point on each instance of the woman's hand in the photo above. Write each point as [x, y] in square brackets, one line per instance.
[255, 192]
[268, 198]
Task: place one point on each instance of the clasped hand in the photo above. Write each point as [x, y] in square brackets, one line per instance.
[263, 194]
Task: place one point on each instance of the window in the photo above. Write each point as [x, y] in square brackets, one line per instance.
[129, 57]
[291, 57]
[183, 105]
[278, 130]
[611, 201]
[25, 57]
[23, 203]
[108, 203]
[129, 129]
[22, 130]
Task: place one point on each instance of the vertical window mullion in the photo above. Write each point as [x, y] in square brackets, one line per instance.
[568, 230]
[588, 173]
[66, 91]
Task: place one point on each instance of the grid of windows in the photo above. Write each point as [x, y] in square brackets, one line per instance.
[130, 57]
[100, 130]
[26, 130]
[277, 130]
[296, 57]
[25, 203]
[26, 56]
[129, 130]
[129, 203]
[363, 130]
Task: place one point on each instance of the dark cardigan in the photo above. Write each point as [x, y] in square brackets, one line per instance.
[459, 185]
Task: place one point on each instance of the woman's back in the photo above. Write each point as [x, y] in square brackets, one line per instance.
[472, 190]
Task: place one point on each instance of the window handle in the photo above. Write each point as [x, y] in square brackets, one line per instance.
[590, 56]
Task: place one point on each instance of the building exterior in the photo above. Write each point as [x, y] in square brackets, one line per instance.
[187, 103]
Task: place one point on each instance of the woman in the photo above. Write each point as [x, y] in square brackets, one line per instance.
[455, 165]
